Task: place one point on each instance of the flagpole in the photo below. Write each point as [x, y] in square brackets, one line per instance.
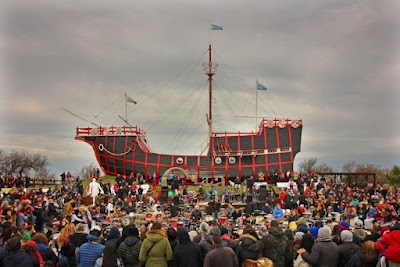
[256, 103]
[209, 32]
[126, 108]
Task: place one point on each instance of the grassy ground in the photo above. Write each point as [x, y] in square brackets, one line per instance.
[111, 179]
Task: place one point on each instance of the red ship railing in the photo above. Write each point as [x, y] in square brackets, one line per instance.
[124, 130]
[265, 123]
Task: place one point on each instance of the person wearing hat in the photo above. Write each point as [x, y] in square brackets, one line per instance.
[301, 225]
[130, 248]
[347, 249]
[344, 225]
[324, 252]
[186, 247]
[90, 251]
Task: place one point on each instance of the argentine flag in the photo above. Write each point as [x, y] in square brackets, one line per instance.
[130, 100]
[215, 27]
[261, 87]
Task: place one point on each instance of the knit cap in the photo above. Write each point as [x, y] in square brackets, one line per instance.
[26, 236]
[346, 236]
[323, 232]
[343, 225]
[299, 235]
[301, 220]
[313, 231]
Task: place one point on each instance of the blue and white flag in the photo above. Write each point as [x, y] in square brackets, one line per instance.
[130, 100]
[261, 87]
[215, 27]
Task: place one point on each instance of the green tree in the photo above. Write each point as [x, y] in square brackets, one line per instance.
[393, 177]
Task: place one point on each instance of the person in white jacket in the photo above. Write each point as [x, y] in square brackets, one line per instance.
[94, 190]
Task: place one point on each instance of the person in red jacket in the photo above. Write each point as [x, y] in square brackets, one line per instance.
[389, 244]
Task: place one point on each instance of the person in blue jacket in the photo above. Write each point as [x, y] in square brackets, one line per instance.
[278, 212]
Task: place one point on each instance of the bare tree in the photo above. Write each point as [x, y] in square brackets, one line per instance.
[349, 166]
[307, 165]
[21, 162]
[322, 167]
[85, 170]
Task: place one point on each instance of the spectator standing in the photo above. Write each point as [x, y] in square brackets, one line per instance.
[367, 256]
[90, 251]
[307, 242]
[220, 255]
[109, 258]
[130, 248]
[186, 247]
[275, 246]
[15, 256]
[248, 247]
[347, 249]
[324, 253]
[156, 250]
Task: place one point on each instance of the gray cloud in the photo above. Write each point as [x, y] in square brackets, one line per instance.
[332, 63]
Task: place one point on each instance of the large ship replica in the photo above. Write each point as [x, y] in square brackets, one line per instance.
[271, 148]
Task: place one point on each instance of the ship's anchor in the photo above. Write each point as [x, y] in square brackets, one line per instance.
[101, 148]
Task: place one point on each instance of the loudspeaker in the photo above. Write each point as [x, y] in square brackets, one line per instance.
[164, 195]
[262, 195]
[176, 200]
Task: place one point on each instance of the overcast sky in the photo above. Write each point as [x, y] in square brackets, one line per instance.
[334, 64]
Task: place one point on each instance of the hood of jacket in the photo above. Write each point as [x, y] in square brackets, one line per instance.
[155, 235]
[183, 235]
[247, 239]
[276, 231]
[131, 241]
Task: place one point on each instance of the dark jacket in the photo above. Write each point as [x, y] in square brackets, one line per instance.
[323, 253]
[360, 260]
[220, 257]
[248, 248]
[187, 253]
[206, 245]
[129, 251]
[346, 251]
[275, 246]
[17, 258]
[47, 253]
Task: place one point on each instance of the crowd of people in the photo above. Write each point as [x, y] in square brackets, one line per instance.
[312, 221]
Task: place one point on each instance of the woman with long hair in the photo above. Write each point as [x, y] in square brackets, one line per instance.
[367, 256]
[110, 257]
[66, 250]
[68, 230]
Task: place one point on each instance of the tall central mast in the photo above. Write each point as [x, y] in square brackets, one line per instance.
[210, 68]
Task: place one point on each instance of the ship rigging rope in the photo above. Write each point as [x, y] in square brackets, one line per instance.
[185, 123]
[229, 71]
[102, 147]
[157, 91]
[113, 103]
[172, 108]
